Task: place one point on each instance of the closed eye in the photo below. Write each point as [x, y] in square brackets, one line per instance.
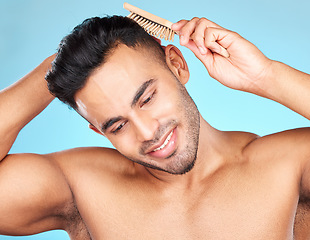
[148, 99]
[119, 127]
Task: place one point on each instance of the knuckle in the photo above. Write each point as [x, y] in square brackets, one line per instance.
[235, 33]
[183, 21]
[184, 32]
[201, 20]
[196, 37]
[207, 32]
[199, 43]
[208, 44]
[195, 19]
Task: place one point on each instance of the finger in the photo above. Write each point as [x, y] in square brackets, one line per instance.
[210, 23]
[214, 40]
[187, 30]
[207, 59]
[199, 35]
[191, 45]
[178, 25]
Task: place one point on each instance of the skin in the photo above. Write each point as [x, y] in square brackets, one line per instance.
[241, 187]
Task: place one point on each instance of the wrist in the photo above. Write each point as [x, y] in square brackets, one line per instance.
[268, 86]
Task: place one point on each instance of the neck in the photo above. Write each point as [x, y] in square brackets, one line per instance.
[210, 157]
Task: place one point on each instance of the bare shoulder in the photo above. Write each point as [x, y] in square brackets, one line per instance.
[74, 162]
[90, 156]
[285, 153]
[294, 143]
[25, 181]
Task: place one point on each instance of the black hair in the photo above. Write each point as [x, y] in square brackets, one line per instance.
[87, 47]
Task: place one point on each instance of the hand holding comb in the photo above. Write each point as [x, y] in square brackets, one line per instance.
[156, 26]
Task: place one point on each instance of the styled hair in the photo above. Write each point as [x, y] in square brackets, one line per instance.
[88, 46]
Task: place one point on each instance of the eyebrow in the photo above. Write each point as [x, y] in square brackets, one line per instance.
[110, 122]
[136, 98]
[141, 90]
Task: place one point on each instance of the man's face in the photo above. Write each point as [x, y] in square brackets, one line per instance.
[143, 109]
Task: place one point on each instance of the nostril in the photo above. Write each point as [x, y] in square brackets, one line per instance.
[146, 129]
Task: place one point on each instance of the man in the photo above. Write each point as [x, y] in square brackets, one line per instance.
[173, 176]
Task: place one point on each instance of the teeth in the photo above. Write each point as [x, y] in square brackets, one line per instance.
[165, 143]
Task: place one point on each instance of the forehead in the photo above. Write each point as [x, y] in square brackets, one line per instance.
[112, 85]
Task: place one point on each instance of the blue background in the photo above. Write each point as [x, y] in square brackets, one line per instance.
[30, 30]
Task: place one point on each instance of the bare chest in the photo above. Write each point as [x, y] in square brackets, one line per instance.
[227, 209]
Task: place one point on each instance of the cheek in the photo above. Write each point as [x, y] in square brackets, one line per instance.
[168, 102]
[125, 144]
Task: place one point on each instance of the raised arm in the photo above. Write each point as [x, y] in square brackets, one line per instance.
[21, 102]
[33, 191]
[246, 68]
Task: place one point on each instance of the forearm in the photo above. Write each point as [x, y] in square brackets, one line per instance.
[289, 87]
[21, 102]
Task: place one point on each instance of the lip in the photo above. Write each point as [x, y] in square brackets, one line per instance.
[168, 149]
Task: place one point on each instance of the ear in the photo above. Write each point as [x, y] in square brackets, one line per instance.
[92, 127]
[177, 63]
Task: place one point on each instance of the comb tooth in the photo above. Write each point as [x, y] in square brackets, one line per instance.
[154, 29]
[170, 35]
[146, 29]
[167, 34]
[162, 29]
[136, 17]
[150, 30]
[145, 23]
[162, 33]
[148, 26]
[140, 20]
[142, 24]
[157, 30]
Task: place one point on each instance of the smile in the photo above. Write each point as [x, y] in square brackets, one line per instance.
[168, 146]
[165, 143]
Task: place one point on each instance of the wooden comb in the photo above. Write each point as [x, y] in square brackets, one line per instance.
[156, 26]
[152, 24]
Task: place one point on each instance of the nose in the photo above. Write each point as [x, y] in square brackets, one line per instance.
[145, 127]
